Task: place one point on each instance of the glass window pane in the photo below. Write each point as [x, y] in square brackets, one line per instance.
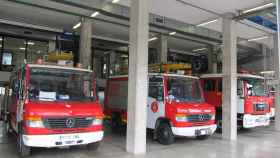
[35, 50]
[15, 49]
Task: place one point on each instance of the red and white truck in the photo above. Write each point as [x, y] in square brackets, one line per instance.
[176, 106]
[253, 107]
[53, 106]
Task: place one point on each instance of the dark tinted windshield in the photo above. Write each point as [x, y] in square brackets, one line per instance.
[183, 89]
[51, 84]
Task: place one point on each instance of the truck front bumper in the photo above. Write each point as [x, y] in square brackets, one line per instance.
[194, 131]
[60, 140]
[251, 121]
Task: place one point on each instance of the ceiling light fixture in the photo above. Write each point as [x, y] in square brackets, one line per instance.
[207, 22]
[153, 39]
[115, 1]
[258, 8]
[267, 72]
[94, 14]
[77, 25]
[200, 49]
[172, 33]
[257, 38]
[29, 43]
[22, 48]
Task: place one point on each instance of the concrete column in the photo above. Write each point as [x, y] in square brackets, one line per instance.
[85, 43]
[162, 49]
[265, 57]
[230, 79]
[277, 68]
[51, 46]
[212, 61]
[138, 75]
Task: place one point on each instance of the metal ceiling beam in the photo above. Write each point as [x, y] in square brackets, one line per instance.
[254, 13]
[122, 13]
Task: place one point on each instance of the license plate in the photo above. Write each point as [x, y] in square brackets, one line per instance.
[202, 132]
[261, 120]
[69, 137]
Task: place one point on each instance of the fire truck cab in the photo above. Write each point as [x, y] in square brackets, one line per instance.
[176, 106]
[53, 106]
[252, 102]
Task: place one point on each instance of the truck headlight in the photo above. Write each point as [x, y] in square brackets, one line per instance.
[181, 118]
[213, 117]
[34, 122]
[97, 121]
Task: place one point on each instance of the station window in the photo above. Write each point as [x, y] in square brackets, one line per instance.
[209, 85]
[36, 49]
[14, 51]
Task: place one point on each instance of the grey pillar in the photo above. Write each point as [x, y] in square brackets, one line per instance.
[138, 75]
[85, 43]
[230, 79]
[212, 63]
[162, 49]
[265, 57]
[277, 69]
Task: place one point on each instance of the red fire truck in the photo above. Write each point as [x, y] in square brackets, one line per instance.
[53, 106]
[176, 107]
[252, 102]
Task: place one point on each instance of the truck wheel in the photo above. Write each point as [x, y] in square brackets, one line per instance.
[219, 126]
[203, 137]
[164, 134]
[93, 146]
[24, 151]
[116, 123]
[8, 129]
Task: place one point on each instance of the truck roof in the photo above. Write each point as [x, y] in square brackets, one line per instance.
[238, 75]
[58, 67]
[158, 74]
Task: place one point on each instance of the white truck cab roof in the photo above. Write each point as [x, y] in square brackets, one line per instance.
[238, 75]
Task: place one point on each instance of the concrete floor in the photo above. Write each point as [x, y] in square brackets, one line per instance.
[256, 143]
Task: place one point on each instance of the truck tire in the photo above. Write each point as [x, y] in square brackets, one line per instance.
[116, 124]
[24, 151]
[93, 146]
[203, 137]
[164, 134]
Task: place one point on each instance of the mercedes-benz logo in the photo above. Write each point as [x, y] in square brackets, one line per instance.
[201, 117]
[70, 123]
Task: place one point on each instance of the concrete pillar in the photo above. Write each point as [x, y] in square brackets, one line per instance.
[212, 61]
[230, 79]
[265, 57]
[85, 43]
[277, 68]
[162, 49]
[51, 46]
[138, 75]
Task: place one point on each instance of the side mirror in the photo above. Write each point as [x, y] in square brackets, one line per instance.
[170, 98]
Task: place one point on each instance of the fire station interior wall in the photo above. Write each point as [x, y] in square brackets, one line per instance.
[4, 76]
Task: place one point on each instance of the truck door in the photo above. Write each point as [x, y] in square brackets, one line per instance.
[209, 88]
[155, 105]
[240, 96]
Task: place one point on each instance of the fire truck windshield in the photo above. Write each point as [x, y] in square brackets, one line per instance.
[51, 84]
[255, 87]
[182, 89]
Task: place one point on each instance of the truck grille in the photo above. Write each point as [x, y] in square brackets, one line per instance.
[61, 123]
[199, 118]
[260, 107]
